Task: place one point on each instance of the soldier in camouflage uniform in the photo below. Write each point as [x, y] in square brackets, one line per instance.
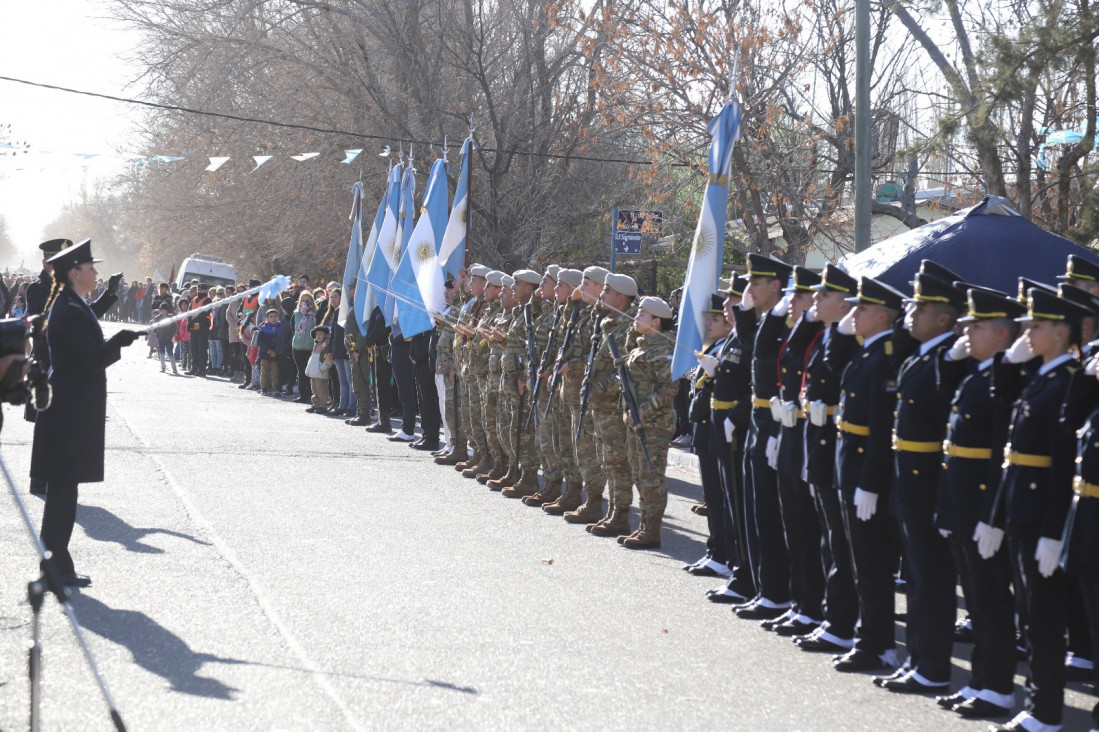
[515, 383]
[649, 368]
[478, 368]
[567, 296]
[446, 372]
[547, 428]
[604, 405]
[585, 447]
[469, 411]
[501, 366]
[488, 351]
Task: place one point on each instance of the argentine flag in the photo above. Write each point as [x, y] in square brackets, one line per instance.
[419, 278]
[452, 253]
[354, 251]
[387, 250]
[708, 249]
[407, 305]
[365, 301]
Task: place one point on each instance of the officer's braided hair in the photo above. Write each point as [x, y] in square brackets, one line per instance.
[53, 296]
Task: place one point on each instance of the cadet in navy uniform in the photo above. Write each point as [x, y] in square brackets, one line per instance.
[864, 470]
[767, 543]
[972, 460]
[718, 549]
[38, 292]
[69, 436]
[1080, 552]
[731, 409]
[1036, 489]
[820, 395]
[799, 513]
[918, 431]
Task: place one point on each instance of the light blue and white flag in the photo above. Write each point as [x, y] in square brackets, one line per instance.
[419, 277]
[365, 301]
[409, 306]
[708, 250]
[452, 252]
[387, 252]
[354, 251]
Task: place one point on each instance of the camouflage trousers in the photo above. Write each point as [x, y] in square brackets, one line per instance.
[610, 433]
[453, 411]
[586, 450]
[549, 437]
[563, 447]
[652, 487]
[490, 392]
[471, 412]
[519, 443]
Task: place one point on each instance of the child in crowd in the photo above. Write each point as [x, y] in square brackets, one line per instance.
[19, 309]
[164, 335]
[317, 369]
[267, 345]
[183, 336]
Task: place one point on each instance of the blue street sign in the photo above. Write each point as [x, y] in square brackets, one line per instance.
[627, 242]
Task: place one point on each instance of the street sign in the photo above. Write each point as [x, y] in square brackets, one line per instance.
[648, 222]
[627, 242]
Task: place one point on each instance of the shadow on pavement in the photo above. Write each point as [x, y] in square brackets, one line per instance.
[430, 683]
[153, 647]
[102, 525]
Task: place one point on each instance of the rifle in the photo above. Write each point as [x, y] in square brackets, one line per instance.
[631, 402]
[566, 343]
[542, 365]
[529, 318]
[585, 389]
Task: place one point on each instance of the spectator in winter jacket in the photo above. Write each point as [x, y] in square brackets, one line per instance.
[320, 361]
[268, 353]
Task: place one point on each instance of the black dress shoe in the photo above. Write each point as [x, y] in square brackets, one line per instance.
[816, 644]
[855, 661]
[777, 621]
[76, 580]
[380, 427]
[423, 445]
[725, 596]
[759, 611]
[977, 708]
[357, 422]
[706, 570]
[949, 702]
[897, 673]
[909, 685]
[795, 627]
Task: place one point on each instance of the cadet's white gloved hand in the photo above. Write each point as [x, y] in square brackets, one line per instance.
[747, 302]
[708, 364]
[783, 306]
[944, 533]
[1092, 367]
[772, 453]
[1048, 554]
[776, 409]
[960, 350]
[866, 504]
[1020, 351]
[730, 428]
[789, 414]
[818, 412]
[988, 539]
[846, 326]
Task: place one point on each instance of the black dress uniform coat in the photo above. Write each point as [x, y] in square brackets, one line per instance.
[1081, 414]
[719, 547]
[69, 436]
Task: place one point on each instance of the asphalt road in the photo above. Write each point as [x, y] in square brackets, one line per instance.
[257, 567]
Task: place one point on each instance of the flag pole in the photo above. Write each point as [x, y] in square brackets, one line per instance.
[469, 192]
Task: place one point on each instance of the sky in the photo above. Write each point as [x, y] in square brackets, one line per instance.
[68, 43]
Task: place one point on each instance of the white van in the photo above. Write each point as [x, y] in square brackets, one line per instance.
[207, 268]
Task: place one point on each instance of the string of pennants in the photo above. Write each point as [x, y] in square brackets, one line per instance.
[135, 162]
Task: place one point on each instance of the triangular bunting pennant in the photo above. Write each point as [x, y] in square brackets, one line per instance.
[216, 163]
[304, 156]
[260, 160]
[350, 156]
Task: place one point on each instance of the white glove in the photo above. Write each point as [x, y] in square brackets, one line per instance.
[908, 318]
[866, 504]
[944, 533]
[783, 306]
[729, 429]
[960, 350]
[818, 412]
[776, 409]
[772, 453]
[747, 302]
[708, 364]
[1020, 351]
[988, 539]
[1092, 367]
[789, 414]
[846, 325]
[1048, 555]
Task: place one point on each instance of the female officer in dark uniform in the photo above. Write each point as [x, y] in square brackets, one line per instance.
[69, 436]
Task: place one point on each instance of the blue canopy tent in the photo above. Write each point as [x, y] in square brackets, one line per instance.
[989, 245]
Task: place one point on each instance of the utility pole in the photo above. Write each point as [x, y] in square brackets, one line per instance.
[863, 142]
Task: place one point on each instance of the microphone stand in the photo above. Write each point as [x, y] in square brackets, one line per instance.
[50, 581]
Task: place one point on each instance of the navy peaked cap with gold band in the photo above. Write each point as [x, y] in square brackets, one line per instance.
[1080, 296]
[761, 266]
[73, 256]
[737, 284]
[929, 267]
[986, 304]
[834, 279]
[1078, 268]
[717, 304]
[805, 280]
[1042, 304]
[872, 292]
[1026, 284]
[929, 288]
[53, 246]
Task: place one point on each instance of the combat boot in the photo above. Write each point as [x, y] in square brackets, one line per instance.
[525, 487]
[468, 462]
[506, 481]
[481, 466]
[605, 519]
[495, 473]
[452, 458]
[616, 525]
[547, 495]
[640, 529]
[649, 537]
[568, 501]
[590, 512]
